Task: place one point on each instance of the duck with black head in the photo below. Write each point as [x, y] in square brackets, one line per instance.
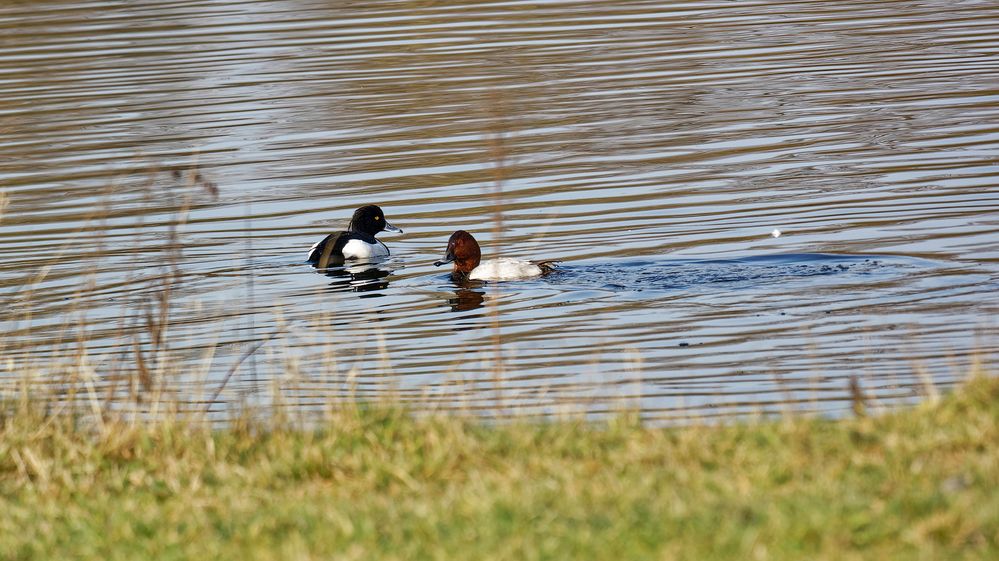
[356, 242]
[464, 252]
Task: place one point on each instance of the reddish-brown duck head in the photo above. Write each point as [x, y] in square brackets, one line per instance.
[463, 251]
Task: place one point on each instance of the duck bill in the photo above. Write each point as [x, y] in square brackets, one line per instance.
[448, 257]
[391, 228]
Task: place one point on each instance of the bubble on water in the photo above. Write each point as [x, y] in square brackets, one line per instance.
[775, 233]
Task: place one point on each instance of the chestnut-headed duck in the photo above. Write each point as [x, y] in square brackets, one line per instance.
[356, 242]
[464, 252]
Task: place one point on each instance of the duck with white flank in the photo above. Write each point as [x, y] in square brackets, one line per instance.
[464, 252]
[356, 242]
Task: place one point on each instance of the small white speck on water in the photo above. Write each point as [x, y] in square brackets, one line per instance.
[775, 233]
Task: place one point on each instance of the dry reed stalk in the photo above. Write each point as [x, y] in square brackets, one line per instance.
[250, 286]
[929, 388]
[786, 409]
[870, 403]
[631, 402]
[497, 151]
[857, 398]
[235, 367]
[815, 379]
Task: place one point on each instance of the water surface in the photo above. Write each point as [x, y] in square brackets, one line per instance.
[650, 146]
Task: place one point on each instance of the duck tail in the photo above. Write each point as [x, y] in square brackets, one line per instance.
[547, 266]
[322, 255]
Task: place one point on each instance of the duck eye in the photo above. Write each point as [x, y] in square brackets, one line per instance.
[378, 218]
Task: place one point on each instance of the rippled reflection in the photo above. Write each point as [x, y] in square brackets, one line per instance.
[360, 277]
[466, 299]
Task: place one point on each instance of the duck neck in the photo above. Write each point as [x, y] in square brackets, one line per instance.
[465, 266]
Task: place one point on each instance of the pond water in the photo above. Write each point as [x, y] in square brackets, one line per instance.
[167, 165]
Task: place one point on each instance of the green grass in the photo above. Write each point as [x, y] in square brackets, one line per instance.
[922, 483]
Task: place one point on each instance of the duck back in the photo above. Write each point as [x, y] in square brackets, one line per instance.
[508, 269]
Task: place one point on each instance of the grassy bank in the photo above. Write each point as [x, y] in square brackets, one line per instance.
[917, 484]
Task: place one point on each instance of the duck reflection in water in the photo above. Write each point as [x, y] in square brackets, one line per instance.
[466, 299]
[359, 277]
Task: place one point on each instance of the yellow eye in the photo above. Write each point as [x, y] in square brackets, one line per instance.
[378, 218]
